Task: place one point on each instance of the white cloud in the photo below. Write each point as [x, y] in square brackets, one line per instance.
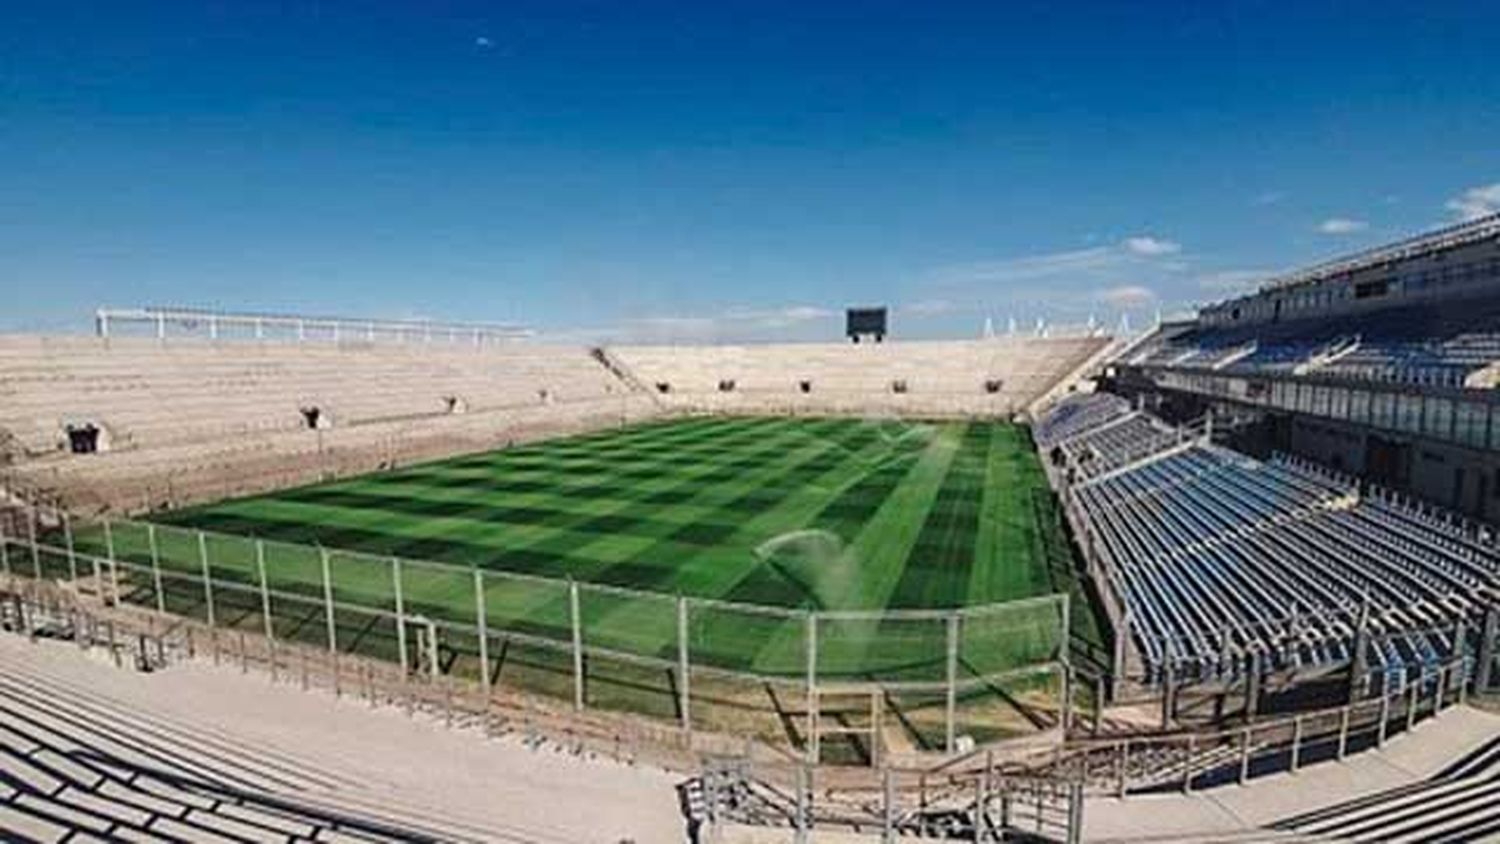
[1030, 267]
[1149, 246]
[1476, 202]
[1342, 225]
[802, 313]
[1127, 296]
[483, 42]
[929, 307]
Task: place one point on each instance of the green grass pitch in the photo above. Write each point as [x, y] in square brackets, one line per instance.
[829, 515]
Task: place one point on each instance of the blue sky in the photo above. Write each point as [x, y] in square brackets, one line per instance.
[722, 170]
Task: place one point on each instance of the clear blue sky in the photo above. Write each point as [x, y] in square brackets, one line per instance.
[718, 170]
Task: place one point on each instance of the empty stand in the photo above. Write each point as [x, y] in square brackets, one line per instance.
[1224, 563]
[187, 420]
[1439, 343]
[996, 376]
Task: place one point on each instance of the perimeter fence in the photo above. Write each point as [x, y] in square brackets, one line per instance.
[832, 686]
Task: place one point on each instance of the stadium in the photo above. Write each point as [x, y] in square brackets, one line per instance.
[1025, 585]
[749, 423]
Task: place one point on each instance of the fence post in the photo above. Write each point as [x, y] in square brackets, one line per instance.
[1067, 698]
[983, 829]
[1487, 650]
[482, 622]
[577, 622]
[400, 617]
[1413, 698]
[68, 541]
[1440, 690]
[333, 636]
[812, 688]
[208, 587]
[1120, 634]
[1358, 667]
[4, 547]
[683, 689]
[888, 806]
[1344, 732]
[36, 553]
[804, 810]
[1121, 762]
[1187, 765]
[1168, 684]
[1075, 813]
[1296, 743]
[1252, 686]
[1385, 716]
[265, 590]
[161, 597]
[1245, 739]
[114, 569]
[1098, 704]
[951, 702]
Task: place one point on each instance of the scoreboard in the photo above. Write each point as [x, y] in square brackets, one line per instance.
[865, 322]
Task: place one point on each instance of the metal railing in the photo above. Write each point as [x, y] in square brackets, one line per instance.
[162, 323]
[704, 664]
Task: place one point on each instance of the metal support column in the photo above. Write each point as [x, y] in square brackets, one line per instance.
[577, 622]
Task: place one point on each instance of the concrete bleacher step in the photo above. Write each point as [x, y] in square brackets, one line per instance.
[65, 721]
[153, 738]
[1459, 803]
[115, 766]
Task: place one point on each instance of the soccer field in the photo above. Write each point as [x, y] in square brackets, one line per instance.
[825, 514]
[856, 550]
[920, 556]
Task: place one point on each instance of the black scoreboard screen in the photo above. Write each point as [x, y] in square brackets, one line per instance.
[866, 322]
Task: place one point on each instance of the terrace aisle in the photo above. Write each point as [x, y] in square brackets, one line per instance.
[1223, 811]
